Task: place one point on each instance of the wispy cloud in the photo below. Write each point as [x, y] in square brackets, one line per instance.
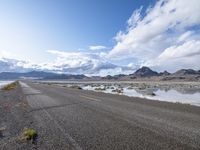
[97, 47]
[187, 49]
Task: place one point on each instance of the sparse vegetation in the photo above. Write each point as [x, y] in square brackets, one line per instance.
[187, 104]
[1, 131]
[29, 134]
[10, 86]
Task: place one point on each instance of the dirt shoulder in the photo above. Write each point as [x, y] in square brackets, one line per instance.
[14, 120]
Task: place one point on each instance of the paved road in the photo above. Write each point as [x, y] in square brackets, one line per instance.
[69, 118]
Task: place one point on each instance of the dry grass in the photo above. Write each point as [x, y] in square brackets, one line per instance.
[29, 134]
[1, 130]
[10, 86]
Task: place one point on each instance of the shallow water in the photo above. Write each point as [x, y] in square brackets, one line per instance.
[180, 95]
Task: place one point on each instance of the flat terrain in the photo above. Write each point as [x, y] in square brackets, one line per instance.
[67, 118]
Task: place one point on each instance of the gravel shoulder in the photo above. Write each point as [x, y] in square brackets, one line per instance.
[14, 119]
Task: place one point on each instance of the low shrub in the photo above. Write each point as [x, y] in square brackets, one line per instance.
[30, 134]
[10, 86]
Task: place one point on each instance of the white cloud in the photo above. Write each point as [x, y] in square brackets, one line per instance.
[76, 59]
[187, 49]
[175, 64]
[166, 26]
[67, 62]
[5, 54]
[135, 18]
[97, 47]
[185, 36]
[186, 55]
[84, 63]
[114, 71]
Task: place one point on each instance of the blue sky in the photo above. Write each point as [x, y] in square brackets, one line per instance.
[114, 35]
[67, 25]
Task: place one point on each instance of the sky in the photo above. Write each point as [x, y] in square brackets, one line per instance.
[99, 37]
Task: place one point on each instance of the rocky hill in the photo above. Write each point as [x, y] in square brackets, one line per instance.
[145, 72]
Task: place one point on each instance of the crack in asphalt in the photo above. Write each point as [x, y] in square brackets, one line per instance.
[34, 94]
[90, 98]
[72, 141]
[52, 107]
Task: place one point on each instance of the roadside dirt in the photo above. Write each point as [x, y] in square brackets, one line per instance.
[14, 119]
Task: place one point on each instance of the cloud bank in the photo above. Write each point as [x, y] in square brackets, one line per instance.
[69, 63]
[168, 32]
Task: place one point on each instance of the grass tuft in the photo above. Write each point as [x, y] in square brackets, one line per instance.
[30, 134]
[10, 86]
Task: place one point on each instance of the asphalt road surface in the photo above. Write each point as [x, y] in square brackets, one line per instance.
[68, 118]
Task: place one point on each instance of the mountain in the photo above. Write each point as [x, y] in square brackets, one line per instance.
[115, 77]
[183, 75]
[145, 72]
[66, 77]
[17, 75]
[165, 73]
[39, 75]
[184, 72]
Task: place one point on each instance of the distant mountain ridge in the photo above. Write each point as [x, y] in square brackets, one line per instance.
[38, 75]
[143, 73]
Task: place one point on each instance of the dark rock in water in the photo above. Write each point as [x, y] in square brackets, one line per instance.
[76, 87]
[117, 91]
[151, 94]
